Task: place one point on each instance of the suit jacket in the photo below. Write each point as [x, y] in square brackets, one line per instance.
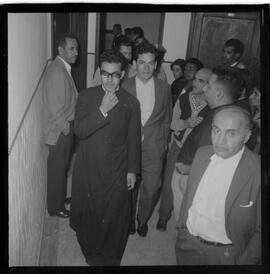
[59, 99]
[242, 204]
[156, 130]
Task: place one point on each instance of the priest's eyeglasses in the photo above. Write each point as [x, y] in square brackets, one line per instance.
[115, 75]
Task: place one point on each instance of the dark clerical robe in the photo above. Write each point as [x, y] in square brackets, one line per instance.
[109, 148]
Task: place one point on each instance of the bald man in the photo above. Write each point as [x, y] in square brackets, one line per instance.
[223, 88]
[220, 218]
[188, 112]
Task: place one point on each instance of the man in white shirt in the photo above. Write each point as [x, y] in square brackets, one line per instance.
[220, 218]
[59, 99]
[155, 104]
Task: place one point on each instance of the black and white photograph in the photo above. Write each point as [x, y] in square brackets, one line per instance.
[134, 135]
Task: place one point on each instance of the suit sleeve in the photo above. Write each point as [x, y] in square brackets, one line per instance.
[88, 119]
[252, 253]
[134, 139]
[168, 115]
[55, 98]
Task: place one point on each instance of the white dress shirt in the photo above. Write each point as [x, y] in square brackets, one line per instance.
[67, 65]
[206, 216]
[146, 97]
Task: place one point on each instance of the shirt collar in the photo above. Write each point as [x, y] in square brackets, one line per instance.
[234, 158]
[150, 81]
[67, 65]
[234, 64]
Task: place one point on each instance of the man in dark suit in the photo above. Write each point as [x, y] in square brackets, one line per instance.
[220, 218]
[155, 103]
[107, 122]
[59, 99]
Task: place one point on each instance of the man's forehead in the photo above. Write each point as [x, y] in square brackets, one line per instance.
[111, 67]
[191, 65]
[71, 42]
[148, 56]
[125, 48]
[203, 75]
[230, 117]
[229, 49]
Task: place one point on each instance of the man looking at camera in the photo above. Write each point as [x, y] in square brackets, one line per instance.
[107, 122]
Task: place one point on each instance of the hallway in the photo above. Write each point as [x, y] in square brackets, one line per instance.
[60, 247]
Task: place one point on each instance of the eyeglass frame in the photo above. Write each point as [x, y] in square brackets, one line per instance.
[115, 75]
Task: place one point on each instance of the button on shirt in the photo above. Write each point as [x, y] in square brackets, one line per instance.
[146, 97]
[206, 216]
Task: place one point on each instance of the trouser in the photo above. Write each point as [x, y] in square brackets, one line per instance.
[191, 251]
[58, 163]
[149, 187]
[166, 195]
[179, 185]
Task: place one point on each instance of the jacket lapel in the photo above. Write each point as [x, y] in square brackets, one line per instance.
[132, 88]
[240, 178]
[158, 101]
[69, 77]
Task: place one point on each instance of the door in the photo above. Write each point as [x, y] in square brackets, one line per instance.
[76, 24]
[151, 23]
[209, 32]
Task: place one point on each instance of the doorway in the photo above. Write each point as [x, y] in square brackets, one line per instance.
[76, 24]
[152, 23]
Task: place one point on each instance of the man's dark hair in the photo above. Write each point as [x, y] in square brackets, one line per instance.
[122, 40]
[138, 31]
[195, 62]
[145, 48]
[127, 31]
[178, 62]
[231, 81]
[62, 39]
[237, 45]
[117, 26]
[112, 56]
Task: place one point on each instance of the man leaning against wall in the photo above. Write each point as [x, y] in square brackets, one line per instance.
[59, 99]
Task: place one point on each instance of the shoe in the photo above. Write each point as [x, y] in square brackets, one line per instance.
[68, 200]
[61, 214]
[142, 229]
[161, 225]
[132, 228]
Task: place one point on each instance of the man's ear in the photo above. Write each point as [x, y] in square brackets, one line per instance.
[220, 93]
[60, 50]
[237, 56]
[247, 136]
[122, 74]
[155, 64]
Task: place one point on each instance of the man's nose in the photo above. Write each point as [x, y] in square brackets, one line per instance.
[222, 139]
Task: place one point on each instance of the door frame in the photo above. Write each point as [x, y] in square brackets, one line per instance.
[98, 36]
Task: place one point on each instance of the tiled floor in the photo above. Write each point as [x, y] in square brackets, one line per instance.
[60, 246]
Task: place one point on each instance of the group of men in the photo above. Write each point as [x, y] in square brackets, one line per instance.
[124, 129]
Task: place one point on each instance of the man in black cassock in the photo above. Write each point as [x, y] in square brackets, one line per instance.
[107, 122]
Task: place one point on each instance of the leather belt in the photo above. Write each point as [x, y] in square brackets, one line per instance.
[211, 243]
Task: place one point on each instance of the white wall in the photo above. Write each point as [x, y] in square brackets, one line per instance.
[91, 48]
[29, 40]
[175, 38]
